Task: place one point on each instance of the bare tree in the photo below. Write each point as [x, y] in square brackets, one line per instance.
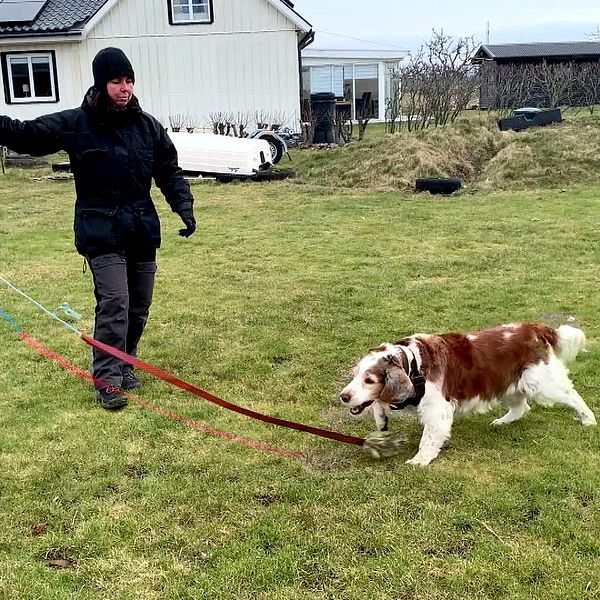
[452, 75]
[393, 106]
[589, 81]
[545, 84]
[508, 86]
[556, 82]
[439, 81]
[362, 119]
[415, 92]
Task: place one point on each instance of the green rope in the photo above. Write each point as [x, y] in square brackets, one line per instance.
[43, 308]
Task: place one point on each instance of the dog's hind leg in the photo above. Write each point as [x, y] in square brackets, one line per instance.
[437, 415]
[517, 408]
[550, 384]
[570, 398]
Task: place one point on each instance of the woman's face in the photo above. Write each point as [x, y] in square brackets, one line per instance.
[120, 91]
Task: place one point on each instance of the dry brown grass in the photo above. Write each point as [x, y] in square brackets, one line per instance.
[473, 149]
[554, 156]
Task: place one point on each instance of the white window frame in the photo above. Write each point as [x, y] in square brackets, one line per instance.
[29, 56]
[330, 72]
[191, 19]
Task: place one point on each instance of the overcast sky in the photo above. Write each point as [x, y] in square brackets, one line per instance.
[397, 23]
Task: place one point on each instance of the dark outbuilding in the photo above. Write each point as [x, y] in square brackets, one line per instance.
[525, 70]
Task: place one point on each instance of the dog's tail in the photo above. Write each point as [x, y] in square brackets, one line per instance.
[571, 341]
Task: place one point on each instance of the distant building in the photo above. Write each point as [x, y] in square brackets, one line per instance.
[513, 74]
[360, 79]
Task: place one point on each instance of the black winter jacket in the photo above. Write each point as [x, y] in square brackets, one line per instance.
[114, 155]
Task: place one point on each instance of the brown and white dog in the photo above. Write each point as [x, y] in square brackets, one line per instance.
[443, 375]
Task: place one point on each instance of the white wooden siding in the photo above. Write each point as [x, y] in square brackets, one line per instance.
[244, 62]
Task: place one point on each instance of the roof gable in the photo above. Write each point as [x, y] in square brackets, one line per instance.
[287, 8]
[70, 17]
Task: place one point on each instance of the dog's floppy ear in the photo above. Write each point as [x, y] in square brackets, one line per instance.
[398, 386]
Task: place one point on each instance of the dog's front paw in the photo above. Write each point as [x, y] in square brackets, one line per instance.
[419, 461]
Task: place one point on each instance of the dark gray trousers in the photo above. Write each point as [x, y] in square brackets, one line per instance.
[123, 286]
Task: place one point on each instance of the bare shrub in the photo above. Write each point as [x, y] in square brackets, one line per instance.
[229, 123]
[307, 124]
[177, 121]
[545, 84]
[439, 81]
[343, 125]
[273, 119]
[393, 106]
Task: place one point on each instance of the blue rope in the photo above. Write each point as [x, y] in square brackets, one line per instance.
[4, 315]
[40, 306]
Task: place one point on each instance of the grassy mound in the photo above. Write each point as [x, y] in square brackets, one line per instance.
[472, 149]
[554, 156]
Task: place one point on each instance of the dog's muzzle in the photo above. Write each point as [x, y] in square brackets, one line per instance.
[357, 410]
[346, 397]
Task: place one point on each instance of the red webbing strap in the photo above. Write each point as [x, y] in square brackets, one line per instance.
[68, 366]
[184, 385]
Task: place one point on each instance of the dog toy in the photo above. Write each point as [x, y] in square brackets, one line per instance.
[383, 444]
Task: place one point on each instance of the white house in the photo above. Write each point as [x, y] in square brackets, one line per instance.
[191, 57]
[354, 76]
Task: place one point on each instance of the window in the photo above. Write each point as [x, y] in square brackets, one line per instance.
[185, 12]
[353, 84]
[329, 78]
[29, 77]
[366, 87]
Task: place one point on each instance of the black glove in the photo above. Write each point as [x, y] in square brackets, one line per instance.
[187, 216]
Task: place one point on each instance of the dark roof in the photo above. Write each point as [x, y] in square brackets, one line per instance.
[57, 17]
[539, 50]
[64, 17]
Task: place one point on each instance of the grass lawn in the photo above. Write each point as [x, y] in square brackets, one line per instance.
[282, 287]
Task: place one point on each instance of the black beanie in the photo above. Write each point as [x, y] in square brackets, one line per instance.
[108, 64]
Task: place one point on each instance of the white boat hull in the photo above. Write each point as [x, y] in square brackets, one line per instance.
[209, 154]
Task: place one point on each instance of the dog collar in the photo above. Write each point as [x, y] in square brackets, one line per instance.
[418, 382]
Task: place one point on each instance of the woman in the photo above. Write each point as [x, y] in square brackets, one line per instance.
[115, 150]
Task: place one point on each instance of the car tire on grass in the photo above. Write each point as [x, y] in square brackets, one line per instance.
[61, 167]
[276, 145]
[438, 185]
